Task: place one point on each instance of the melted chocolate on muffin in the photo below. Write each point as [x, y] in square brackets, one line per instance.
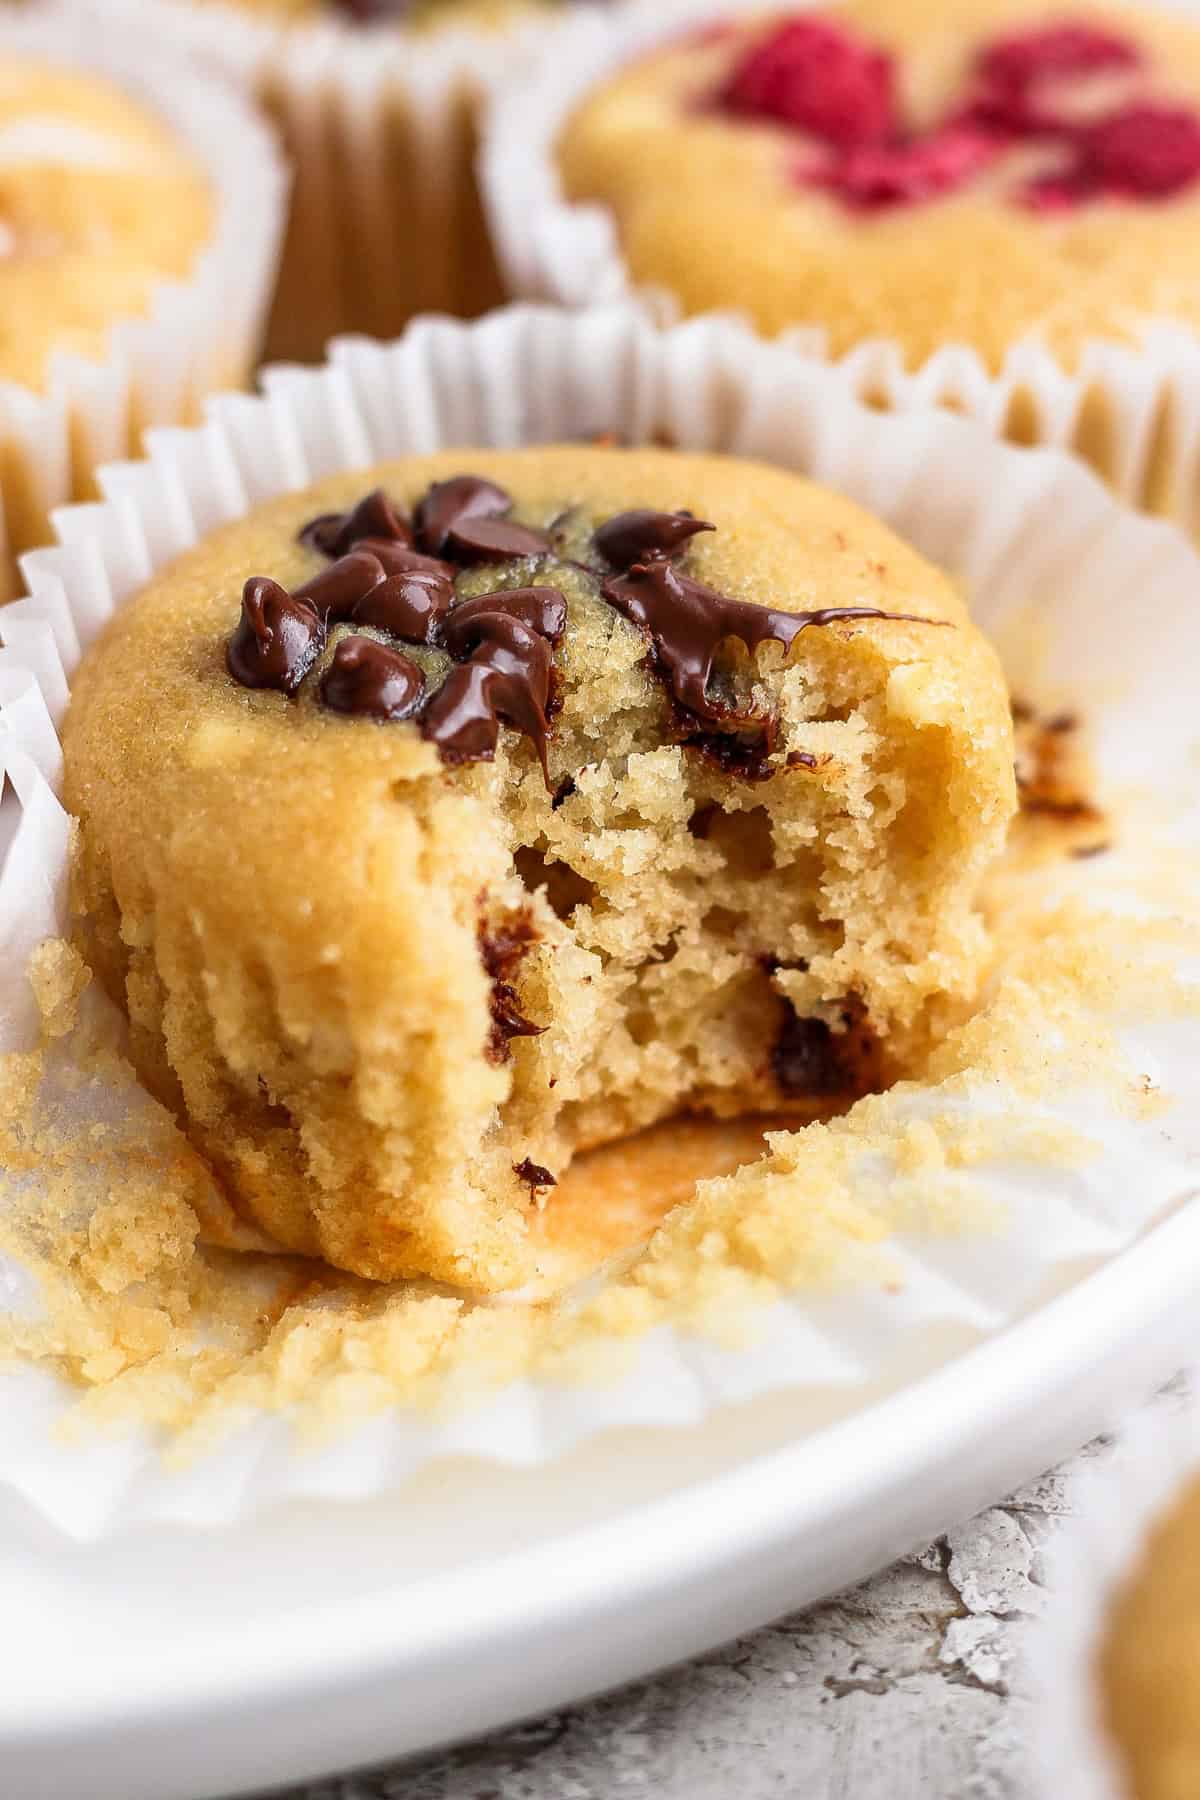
[396, 575]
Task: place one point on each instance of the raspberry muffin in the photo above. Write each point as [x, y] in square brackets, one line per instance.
[1149, 1662]
[443, 820]
[984, 175]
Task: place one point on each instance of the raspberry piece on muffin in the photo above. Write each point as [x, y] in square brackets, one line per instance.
[670, 790]
[819, 78]
[1145, 150]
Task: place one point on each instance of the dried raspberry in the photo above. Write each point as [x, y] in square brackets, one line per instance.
[1011, 73]
[1150, 150]
[813, 75]
[1061, 192]
[901, 174]
[1052, 52]
[1010, 113]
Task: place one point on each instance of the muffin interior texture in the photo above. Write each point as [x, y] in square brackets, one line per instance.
[390, 995]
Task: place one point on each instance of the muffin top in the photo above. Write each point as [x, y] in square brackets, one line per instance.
[455, 815]
[973, 175]
[1149, 1662]
[523, 517]
[99, 203]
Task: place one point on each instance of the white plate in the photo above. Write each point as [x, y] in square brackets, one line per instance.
[157, 1658]
[170, 1664]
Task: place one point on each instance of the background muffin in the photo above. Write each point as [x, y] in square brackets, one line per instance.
[976, 176]
[140, 207]
[1148, 1660]
[993, 206]
[377, 106]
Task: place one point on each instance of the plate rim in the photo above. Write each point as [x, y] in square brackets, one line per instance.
[546, 1626]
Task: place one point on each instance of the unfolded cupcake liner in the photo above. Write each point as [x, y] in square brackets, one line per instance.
[1118, 1507]
[1025, 531]
[380, 126]
[200, 334]
[1131, 410]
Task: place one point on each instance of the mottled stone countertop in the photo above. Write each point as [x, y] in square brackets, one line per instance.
[910, 1687]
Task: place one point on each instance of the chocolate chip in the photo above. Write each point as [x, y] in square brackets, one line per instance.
[372, 12]
[449, 502]
[399, 559]
[506, 638]
[502, 948]
[277, 639]
[369, 680]
[411, 607]
[337, 590]
[374, 517]
[632, 536]
[809, 1058]
[542, 609]
[534, 1174]
[471, 540]
[507, 680]
[387, 586]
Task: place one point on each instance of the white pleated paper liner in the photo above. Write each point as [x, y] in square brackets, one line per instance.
[200, 335]
[1118, 1507]
[1131, 410]
[379, 124]
[1115, 600]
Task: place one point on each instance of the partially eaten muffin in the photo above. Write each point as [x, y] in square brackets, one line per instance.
[446, 819]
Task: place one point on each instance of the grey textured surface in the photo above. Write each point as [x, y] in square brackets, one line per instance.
[907, 1688]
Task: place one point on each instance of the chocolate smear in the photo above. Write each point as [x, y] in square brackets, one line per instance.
[534, 1174]
[630, 537]
[369, 680]
[687, 622]
[277, 639]
[374, 517]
